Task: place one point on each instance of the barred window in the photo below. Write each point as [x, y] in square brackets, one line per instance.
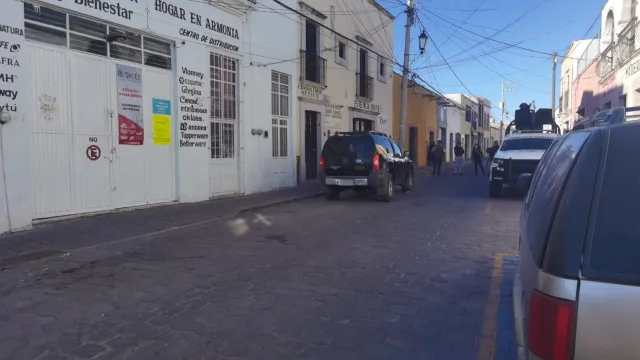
[224, 105]
[57, 28]
[280, 112]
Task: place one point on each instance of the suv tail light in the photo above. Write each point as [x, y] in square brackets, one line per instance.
[550, 327]
[321, 162]
[376, 162]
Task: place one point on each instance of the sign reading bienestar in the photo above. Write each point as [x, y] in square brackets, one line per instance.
[185, 21]
[107, 7]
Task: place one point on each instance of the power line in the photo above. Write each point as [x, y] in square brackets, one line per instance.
[502, 62]
[500, 42]
[445, 60]
[503, 28]
[465, 21]
[503, 48]
[331, 30]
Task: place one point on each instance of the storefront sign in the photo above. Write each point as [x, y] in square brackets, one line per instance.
[190, 18]
[130, 120]
[132, 13]
[190, 34]
[193, 18]
[333, 111]
[186, 20]
[161, 121]
[310, 92]
[11, 39]
[194, 130]
[632, 69]
[364, 105]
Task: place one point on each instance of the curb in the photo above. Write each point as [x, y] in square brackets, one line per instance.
[49, 254]
[276, 203]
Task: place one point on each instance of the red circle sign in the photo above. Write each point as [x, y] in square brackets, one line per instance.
[93, 152]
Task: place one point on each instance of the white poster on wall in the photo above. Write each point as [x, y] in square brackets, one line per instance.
[130, 120]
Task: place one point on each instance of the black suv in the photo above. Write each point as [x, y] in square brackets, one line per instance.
[366, 162]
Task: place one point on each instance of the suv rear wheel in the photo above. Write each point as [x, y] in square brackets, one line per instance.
[387, 194]
[408, 182]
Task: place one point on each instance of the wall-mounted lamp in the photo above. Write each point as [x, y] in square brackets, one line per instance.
[5, 117]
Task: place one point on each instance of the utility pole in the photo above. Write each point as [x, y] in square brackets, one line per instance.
[553, 86]
[405, 72]
[502, 104]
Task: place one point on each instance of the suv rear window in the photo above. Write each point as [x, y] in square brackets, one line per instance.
[613, 252]
[360, 145]
[526, 144]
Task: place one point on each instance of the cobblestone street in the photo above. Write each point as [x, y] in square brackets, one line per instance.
[313, 279]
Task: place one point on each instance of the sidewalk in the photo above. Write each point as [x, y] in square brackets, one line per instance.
[59, 237]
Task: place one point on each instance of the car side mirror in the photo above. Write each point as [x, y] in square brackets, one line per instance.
[524, 182]
[405, 154]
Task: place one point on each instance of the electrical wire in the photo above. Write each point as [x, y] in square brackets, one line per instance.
[518, 19]
[445, 60]
[463, 23]
[501, 61]
[501, 42]
[503, 48]
[327, 28]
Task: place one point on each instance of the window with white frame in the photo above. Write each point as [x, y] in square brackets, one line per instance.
[341, 51]
[224, 106]
[280, 114]
[382, 69]
[57, 28]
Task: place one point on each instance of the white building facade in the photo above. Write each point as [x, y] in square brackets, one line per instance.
[458, 128]
[345, 83]
[572, 64]
[128, 103]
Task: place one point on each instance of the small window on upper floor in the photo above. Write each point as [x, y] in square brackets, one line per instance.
[382, 69]
[341, 51]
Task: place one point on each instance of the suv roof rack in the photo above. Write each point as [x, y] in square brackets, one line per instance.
[616, 115]
[547, 131]
[346, 133]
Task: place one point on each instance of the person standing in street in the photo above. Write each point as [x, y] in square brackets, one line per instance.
[437, 156]
[430, 147]
[458, 151]
[492, 152]
[477, 158]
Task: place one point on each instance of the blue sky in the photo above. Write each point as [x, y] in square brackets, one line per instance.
[482, 65]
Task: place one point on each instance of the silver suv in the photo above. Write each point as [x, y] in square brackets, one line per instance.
[577, 289]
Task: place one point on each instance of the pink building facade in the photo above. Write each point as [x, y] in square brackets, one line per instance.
[612, 78]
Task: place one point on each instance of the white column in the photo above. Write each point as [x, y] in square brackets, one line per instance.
[15, 181]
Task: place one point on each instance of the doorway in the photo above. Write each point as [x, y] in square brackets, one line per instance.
[362, 125]
[311, 143]
[413, 144]
[450, 146]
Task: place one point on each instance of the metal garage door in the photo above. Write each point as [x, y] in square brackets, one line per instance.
[79, 162]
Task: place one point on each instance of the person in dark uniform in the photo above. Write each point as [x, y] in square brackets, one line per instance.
[492, 152]
[437, 156]
[477, 158]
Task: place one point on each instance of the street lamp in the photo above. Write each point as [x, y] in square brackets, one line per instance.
[422, 41]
